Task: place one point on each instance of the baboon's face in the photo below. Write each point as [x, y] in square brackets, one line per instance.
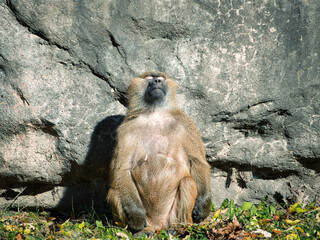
[156, 89]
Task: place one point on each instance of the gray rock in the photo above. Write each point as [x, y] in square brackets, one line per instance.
[248, 74]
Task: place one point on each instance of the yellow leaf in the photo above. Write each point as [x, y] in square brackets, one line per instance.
[60, 226]
[296, 208]
[9, 228]
[292, 237]
[66, 222]
[217, 214]
[27, 231]
[291, 222]
[120, 224]
[81, 225]
[299, 229]
[68, 233]
[294, 205]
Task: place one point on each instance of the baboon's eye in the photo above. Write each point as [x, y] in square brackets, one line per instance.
[149, 78]
[161, 78]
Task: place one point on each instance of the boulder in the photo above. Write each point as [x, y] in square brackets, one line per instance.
[248, 73]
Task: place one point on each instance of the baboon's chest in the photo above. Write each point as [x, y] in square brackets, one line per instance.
[162, 154]
[158, 132]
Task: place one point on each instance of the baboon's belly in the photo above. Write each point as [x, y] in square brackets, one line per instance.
[157, 179]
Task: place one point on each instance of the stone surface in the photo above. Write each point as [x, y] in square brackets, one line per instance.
[248, 74]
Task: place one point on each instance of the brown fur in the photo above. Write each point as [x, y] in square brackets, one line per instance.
[159, 175]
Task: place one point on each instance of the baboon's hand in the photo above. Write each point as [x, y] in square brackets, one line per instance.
[202, 208]
[136, 219]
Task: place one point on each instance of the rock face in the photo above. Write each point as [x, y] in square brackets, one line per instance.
[248, 74]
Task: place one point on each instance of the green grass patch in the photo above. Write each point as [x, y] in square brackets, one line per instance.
[249, 221]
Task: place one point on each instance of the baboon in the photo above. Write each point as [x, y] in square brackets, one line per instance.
[159, 176]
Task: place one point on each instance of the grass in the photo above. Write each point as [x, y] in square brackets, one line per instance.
[297, 221]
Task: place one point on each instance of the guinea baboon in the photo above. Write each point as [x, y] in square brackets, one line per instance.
[159, 176]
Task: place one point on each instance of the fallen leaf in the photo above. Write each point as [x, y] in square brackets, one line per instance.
[60, 226]
[224, 211]
[276, 231]
[235, 222]
[81, 225]
[9, 228]
[295, 205]
[48, 219]
[66, 222]
[291, 222]
[123, 235]
[229, 230]
[267, 220]
[275, 217]
[292, 237]
[18, 237]
[217, 214]
[262, 232]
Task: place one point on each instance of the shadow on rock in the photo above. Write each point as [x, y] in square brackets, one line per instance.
[87, 183]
